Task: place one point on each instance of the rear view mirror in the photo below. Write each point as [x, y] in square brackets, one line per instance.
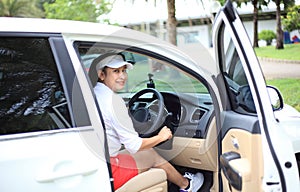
[275, 98]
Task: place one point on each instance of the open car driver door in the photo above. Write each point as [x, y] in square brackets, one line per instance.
[250, 159]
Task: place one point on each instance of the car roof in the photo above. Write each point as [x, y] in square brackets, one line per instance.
[69, 27]
[77, 29]
[74, 28]
[11, 24]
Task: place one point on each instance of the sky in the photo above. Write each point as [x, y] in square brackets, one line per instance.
[125, 12]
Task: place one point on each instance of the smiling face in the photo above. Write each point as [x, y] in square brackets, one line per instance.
[114, 78]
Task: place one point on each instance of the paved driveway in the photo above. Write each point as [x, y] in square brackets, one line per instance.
[272, 68]
[280, 69]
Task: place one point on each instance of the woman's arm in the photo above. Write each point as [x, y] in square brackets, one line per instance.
[163, 135]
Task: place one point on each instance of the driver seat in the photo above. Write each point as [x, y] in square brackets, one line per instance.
[152, 180]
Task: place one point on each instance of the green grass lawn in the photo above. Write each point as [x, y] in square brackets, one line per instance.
[290, 52]
[289, 89]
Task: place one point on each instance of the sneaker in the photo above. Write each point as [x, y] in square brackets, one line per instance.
[196, 181]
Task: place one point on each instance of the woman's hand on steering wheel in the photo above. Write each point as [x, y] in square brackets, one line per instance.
[147, 122]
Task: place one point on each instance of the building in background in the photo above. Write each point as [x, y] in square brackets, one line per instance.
[194, 19]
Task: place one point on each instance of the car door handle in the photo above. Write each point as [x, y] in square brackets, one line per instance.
[233, 176]
[69, 171]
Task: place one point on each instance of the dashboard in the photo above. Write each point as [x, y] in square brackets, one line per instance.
[188, 114]
[191, 113]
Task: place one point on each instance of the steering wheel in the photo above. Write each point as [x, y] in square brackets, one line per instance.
[147, 120]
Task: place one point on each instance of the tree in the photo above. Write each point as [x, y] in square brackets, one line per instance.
[279, 32]
[80, 10]
[292, 20]
[41, 4]
[257, 5]
[172, 22]
[20, 8]
[255, 23]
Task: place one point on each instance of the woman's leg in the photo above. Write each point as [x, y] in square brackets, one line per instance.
[147, 159]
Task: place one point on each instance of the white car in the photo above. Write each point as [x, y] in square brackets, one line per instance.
[226, 122]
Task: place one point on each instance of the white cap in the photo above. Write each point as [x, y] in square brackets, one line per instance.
[113, 61]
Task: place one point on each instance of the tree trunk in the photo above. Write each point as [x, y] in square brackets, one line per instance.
[255, 20]
[172, 22]
[279, 32]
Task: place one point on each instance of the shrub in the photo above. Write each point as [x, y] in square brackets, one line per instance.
[267, 35]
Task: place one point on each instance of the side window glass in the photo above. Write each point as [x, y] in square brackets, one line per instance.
[164, 76]
[31, 94]
[146, 70]
[235, 77]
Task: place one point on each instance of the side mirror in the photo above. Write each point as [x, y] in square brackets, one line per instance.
[275, 98]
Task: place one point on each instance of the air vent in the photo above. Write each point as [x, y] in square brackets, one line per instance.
[197, 115]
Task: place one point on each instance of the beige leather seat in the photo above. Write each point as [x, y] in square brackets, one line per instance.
[154, 180]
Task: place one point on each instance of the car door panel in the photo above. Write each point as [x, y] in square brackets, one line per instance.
[241, 157]
[246, 94]
[242, 147]
[248, 147]
[44, 164]
[47, 141]
[235, 120]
